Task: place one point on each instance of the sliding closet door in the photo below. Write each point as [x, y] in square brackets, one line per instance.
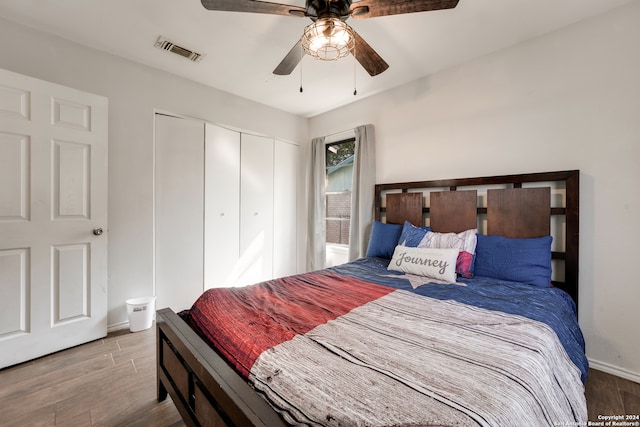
[284, 209]
[179, 206]
[225, 209]
[222, 207]
[256, 212]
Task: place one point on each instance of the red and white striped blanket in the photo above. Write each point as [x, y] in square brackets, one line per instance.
[327, 349]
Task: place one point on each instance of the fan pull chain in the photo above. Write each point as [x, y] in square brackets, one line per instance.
[301, 58]
[355, 90]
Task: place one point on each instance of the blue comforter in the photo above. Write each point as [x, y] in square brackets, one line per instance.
[551, 306]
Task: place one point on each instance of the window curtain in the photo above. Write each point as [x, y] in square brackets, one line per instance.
[362, 197]
[317, 231]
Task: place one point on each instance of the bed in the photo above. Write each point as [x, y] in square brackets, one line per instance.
[463, 312]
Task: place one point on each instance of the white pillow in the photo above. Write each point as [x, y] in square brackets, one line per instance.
[430, 262]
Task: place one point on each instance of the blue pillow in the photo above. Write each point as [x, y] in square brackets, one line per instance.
[383, 240]
[518, 260]
[411, 235]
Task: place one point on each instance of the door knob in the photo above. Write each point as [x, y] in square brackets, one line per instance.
[98, 231]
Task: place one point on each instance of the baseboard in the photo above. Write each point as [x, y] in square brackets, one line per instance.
[121, 326]
[614, 370]
[117, 326]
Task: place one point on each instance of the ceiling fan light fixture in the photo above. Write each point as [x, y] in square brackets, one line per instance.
[328, 39]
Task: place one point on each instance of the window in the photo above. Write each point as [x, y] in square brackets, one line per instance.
[339, 161]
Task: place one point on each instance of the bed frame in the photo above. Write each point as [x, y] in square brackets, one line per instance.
[208, 392]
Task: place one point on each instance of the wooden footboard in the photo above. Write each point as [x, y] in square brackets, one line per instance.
[206, 391]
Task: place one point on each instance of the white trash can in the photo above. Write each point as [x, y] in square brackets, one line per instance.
[141, 311]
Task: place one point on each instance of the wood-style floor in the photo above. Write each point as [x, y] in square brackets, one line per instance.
[108, 382]
[112, 382]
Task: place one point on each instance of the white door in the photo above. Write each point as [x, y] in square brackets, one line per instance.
[285, 189]
[53, 195]
[179, 207]
[222, 207]
[256, 209]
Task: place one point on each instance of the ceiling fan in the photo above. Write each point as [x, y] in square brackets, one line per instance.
[329, 37]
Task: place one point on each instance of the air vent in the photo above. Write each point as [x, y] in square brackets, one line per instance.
[168, 45]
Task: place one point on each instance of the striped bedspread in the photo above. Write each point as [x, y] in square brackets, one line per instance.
[328, 348]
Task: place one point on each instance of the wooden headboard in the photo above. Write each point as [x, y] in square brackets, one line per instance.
[526, 205]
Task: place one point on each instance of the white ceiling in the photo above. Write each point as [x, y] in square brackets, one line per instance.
[242, 49]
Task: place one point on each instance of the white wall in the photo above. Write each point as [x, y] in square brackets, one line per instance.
[569, 100]
[134, 92]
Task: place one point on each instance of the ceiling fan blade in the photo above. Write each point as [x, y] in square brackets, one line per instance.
[369, 58]
[254, 6]
[290, 61]
[372, 8]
